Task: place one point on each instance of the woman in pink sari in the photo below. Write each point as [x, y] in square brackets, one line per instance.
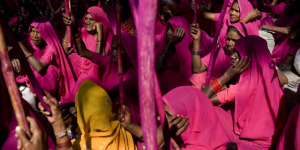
[290, 137]
[240, 11]
[47, 60]
[95, 36]
[257, 115]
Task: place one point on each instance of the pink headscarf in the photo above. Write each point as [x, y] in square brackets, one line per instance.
[59, 75]
[204, 124]
[171, 78]
[259, 100]
[87, 67]
[222, 62]
[290, 137]
[245, 7]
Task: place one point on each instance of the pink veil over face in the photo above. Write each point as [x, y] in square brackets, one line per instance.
[204, 124]
[259, 100]
[65, 75]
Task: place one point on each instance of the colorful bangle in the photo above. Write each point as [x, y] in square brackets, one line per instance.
[65, 145]
[242, 21]
[78, 40]
[216, 86]
[78, 34]
[195, 52]
[28, 55]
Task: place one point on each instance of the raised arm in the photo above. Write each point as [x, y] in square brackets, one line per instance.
[161, 63]
[282, 30]
[208, 16]
[36, 64]
[197, 64]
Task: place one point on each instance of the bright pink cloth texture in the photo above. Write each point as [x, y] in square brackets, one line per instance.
[59, 78]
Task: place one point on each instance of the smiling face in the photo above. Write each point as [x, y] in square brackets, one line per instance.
[232, 37]
[89, 21]
[36, 38]
[235, 13]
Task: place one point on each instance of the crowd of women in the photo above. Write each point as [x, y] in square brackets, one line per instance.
[243, 107]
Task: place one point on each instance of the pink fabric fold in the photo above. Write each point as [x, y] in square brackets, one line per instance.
[59, 78]
[259, 100]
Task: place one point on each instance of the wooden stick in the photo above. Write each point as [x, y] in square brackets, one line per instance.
[18, 7]
[214, 46]
[18, 53]
[11, 84]
[195, 11]
[134, 10]
[120, 69]
[69, 34]
[146, 71]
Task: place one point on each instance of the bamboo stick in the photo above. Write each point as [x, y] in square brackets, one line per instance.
[69, 34]
[20, 55]
[146, 71]
[214, 46]
[120, 69]
[18, 7]
[134, 10]
[11, 84]
[195, 11]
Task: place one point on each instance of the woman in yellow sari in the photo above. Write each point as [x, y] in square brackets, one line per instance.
[99, 127]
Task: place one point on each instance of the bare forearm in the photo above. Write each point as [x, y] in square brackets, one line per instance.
[208, 15]
[209, 91]
[161, 63]
[198, 65]
[282, 30]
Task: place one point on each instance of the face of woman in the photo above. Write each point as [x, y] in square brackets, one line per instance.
[36, 38]
[232, 37]
[169, 32]
[25, 13]
[165, 13]
[89, 21]
[234, 13]
[124, 55]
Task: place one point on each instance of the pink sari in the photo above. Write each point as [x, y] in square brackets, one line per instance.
[259, 100]
[245, 8]
[59, 79]
[179, 64]
[290, 137]
[86, 66]
[222, 62]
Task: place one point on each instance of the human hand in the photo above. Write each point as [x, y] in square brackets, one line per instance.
[177, 36]
[238, 67]
[38, 140]
[70, 21]
[16, 65]
[177, 124]
[98, 27]
[56, 117]
[195, 32]
[254, 14]
[126, 119]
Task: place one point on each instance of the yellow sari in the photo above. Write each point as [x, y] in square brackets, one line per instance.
[99, 128]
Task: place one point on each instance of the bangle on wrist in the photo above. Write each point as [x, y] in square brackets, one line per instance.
[243, 21]
[65, 145]
[216, 86]
[195, 52]
[28, 55]
[61, 134]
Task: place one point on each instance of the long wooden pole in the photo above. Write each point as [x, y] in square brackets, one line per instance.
[146, 71]
[195, 11]
[120, 69]
[69, 34]
[20, 55]
[214, 46]
[11, 84]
